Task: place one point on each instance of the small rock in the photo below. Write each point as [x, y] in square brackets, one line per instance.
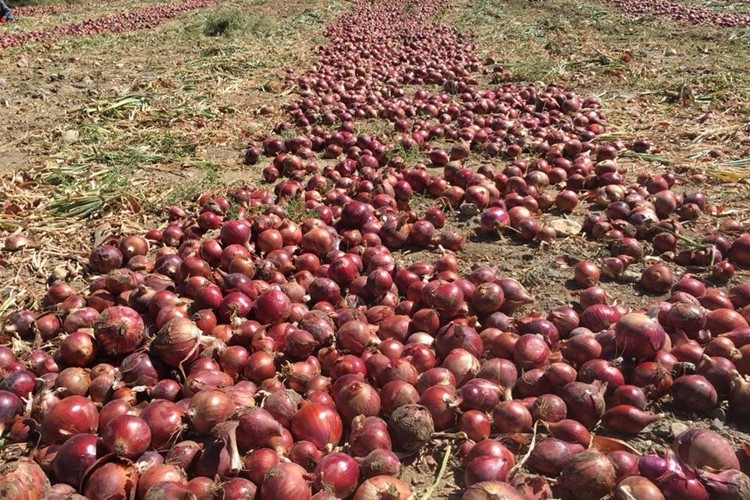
[70, 136]
[469, 209]
[717, 424]
[678, 428]
[669, 51]
[662, 430]
[565, 227]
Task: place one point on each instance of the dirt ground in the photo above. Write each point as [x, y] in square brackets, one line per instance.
[100, 133]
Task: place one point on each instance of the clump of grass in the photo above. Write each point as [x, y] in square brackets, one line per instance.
[234, 22]
[226, 22]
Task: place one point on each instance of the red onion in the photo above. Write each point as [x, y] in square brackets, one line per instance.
[338, 474]
[72, 415]
[586, 274]
[164, 418]
[511, 416]
[380, 462]
[627, 419]
[119, 330]
[286, 480]
[729, 484]
[701, 448]
[639, 335]
[589, 471]
[695, 393]
[585, 402]
[551, 455]
[127, 436]
[379, 487]
[23, 479]
[487, 490]
[73, 458]
[318, 423]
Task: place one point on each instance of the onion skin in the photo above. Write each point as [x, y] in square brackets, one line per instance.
[23, 480]
[492, 490]
[730, 484]
[637, 488]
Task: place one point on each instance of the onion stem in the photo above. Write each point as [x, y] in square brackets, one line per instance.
[440, 473]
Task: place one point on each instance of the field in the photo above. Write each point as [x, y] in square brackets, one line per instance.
[117, 118]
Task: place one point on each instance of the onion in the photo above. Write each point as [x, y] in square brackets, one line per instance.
[585, 402]
[379, 487]
[730, 484]
[589, 475]
[511, 416]
[159, 475]
[72, 415]
[22, 479]
[551, 455]
[586, 274]
[628, 419]
[701, 448]
[285, 480]
[318, 423]
[127, 436]
[119, 330]
[695, 393]
[487, 468]
[380, 462]
[73, 458]
[208, 408]
[164, 418]
[639, 335]
[176, 342]
[656, 278]
[488, 490]
[338, 474]
[357, 399]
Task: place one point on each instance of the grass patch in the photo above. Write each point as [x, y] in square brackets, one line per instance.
[207, 181]
[235, 22]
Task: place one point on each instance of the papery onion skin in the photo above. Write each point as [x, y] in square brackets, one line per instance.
[492, 490]
[22, 479]
[637, 487]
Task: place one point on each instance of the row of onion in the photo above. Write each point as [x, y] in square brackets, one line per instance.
[274, 341]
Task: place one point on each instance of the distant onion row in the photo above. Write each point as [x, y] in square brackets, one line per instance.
[678, 11]
[36, 10]
[146, 18]
[274, 342]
